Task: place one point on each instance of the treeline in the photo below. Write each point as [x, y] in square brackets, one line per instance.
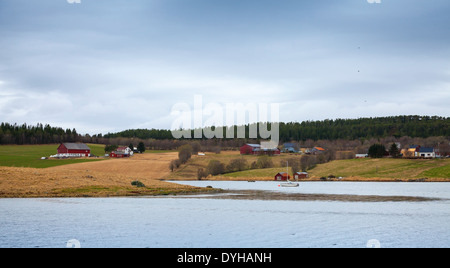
[413, 126]
[39, 134]
[144, 134]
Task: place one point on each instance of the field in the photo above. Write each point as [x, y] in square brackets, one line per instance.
[30, 155]
[386, 169]
[23, 174]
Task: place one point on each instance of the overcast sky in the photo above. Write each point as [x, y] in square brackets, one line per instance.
[111, 65]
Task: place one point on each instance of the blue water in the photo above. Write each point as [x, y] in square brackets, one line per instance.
[194, 222]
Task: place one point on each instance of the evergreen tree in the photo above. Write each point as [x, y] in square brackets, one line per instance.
[141, 147]
[393, 151]
[377, 151]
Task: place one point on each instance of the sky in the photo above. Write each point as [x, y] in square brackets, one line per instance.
[109, 65]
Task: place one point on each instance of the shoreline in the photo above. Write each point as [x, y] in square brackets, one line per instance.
[195, 192]
[347, 179]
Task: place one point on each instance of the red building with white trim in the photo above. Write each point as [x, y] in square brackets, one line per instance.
[74, 150]
[282, 176]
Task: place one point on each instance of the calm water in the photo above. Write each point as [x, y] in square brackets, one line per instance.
[195, 222]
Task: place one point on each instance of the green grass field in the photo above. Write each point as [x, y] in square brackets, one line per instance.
[387, 168]
[30, 155]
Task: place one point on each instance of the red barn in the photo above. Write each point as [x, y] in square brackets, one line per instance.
[282, 176]
[250, 149]
[256, 149]
[74, 150]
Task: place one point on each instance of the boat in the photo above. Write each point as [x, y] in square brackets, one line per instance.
[289, 183]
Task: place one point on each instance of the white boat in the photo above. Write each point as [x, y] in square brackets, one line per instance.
[289, 183]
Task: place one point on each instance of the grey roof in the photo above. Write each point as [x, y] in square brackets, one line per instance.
[426, 150]
[254, 145]
[76, 146]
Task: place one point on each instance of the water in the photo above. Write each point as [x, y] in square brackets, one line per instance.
[188, 222]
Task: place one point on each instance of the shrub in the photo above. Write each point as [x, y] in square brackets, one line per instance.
[308, 162]
[185, 153]
[174, 164]
[201, 173]
[110, 148]
[137, 184]
[264, 162]
[215, 167]
[238, 164]
[294, 164]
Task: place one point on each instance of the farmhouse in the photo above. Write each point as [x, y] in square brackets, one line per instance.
[426, 152]
[317, 150]
[121, 152]
[282, 176]
[290, 148]
[73, 150]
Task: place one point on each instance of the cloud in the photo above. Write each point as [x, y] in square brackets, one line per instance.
[106, 66]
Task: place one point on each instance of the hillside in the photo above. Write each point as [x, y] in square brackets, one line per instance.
[386, 168]
[363, 169]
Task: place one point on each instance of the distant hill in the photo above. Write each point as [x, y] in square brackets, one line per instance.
[351, 129]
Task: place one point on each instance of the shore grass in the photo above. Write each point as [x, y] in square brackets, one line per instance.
[111, 191]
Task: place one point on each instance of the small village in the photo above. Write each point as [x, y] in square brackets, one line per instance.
[81, 150]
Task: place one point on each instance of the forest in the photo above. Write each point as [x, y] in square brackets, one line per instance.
[39, 134]
[414, 126]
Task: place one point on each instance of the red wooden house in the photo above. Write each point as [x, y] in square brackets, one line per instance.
[74, 150]
[282, 176]
[121, 152]
[300, 175]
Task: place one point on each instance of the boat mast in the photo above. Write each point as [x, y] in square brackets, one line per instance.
[287, 170]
